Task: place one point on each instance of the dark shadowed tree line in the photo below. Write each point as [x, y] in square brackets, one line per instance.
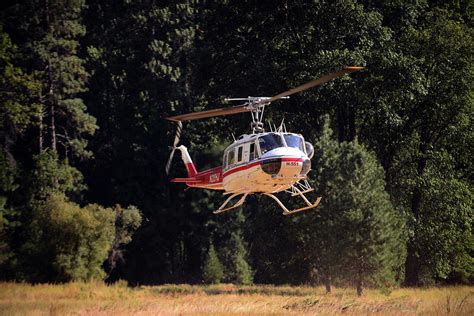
[84, 90]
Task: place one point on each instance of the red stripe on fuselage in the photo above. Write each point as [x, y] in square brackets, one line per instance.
[208, 177]
[256, 163]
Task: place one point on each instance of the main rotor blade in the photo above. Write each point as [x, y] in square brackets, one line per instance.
[210, 113]
[316, 82]
[246, 108]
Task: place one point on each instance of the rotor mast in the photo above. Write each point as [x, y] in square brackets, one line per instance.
[256, 106]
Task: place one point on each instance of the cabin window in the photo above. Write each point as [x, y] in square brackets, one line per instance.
[224, 160]
[269, 142]
[239, 154]
[230, 157]
[252, 152]
[294, 141]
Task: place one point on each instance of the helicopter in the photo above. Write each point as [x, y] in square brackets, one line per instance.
[262, 162]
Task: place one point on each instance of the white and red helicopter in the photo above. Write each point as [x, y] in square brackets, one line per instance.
[257, 163]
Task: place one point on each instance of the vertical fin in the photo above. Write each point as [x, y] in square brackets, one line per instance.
[190, 168]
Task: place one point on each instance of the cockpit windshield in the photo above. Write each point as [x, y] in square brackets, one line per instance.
[294, 141]
[269, 142]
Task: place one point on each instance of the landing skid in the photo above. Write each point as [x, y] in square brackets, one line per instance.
[295, 190]
[223, 207]
[289, 212]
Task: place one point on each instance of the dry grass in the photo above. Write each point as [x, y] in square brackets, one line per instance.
[98, 299]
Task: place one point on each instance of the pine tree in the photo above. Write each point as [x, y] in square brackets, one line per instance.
[17, 95]
[17, 116]
[241, 272]
[374, 230]
[49, 44]
[357, 238]
[212, 271]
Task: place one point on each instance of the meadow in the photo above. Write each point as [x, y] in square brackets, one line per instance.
[95, 298]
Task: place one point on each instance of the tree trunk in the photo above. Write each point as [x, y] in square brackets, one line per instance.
[360, 288]
[40, 127]
[352, 132]
[327, 284]
[52, 127]
[411, 266]
[341, 124]
[412, 262]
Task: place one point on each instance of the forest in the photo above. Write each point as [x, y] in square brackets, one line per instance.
[85, 87]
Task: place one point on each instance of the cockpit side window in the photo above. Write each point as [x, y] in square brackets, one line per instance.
[295, 141]
[230, 158]
[224, 160]
[269, 142]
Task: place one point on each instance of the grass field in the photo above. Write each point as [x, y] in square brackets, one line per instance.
[99, 299]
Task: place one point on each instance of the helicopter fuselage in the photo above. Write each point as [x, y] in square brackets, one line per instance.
[255, 163]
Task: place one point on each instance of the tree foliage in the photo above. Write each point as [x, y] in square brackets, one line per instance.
[240, 270]
[68, 242]
[362, 242]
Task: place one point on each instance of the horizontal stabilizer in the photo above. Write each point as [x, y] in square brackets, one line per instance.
[188, 180]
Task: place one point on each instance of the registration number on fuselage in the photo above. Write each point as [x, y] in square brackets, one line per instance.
[214, 177]
[292, 163]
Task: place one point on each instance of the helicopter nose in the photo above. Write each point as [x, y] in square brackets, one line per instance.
[286, 163]
[306, 167]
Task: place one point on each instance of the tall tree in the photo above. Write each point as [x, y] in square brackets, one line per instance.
[443, 50]
[356, 237]
[18, 112]
[143, 72]
[50, 48]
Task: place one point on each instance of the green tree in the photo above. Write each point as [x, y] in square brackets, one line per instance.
[240, 271]
[52, 175]
[127, 221]
[49, 46]
[17, 95]
[7, 185]
[442, 48]
[143, 72]
[357, 236]
[68, 242]
[418, 119]
[212, 270]
[17, 113]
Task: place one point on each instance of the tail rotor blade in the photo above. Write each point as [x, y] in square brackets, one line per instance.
[179, 128]
[168, 164]
[177, 137]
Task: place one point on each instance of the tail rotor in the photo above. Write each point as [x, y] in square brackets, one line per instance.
[177, 137]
